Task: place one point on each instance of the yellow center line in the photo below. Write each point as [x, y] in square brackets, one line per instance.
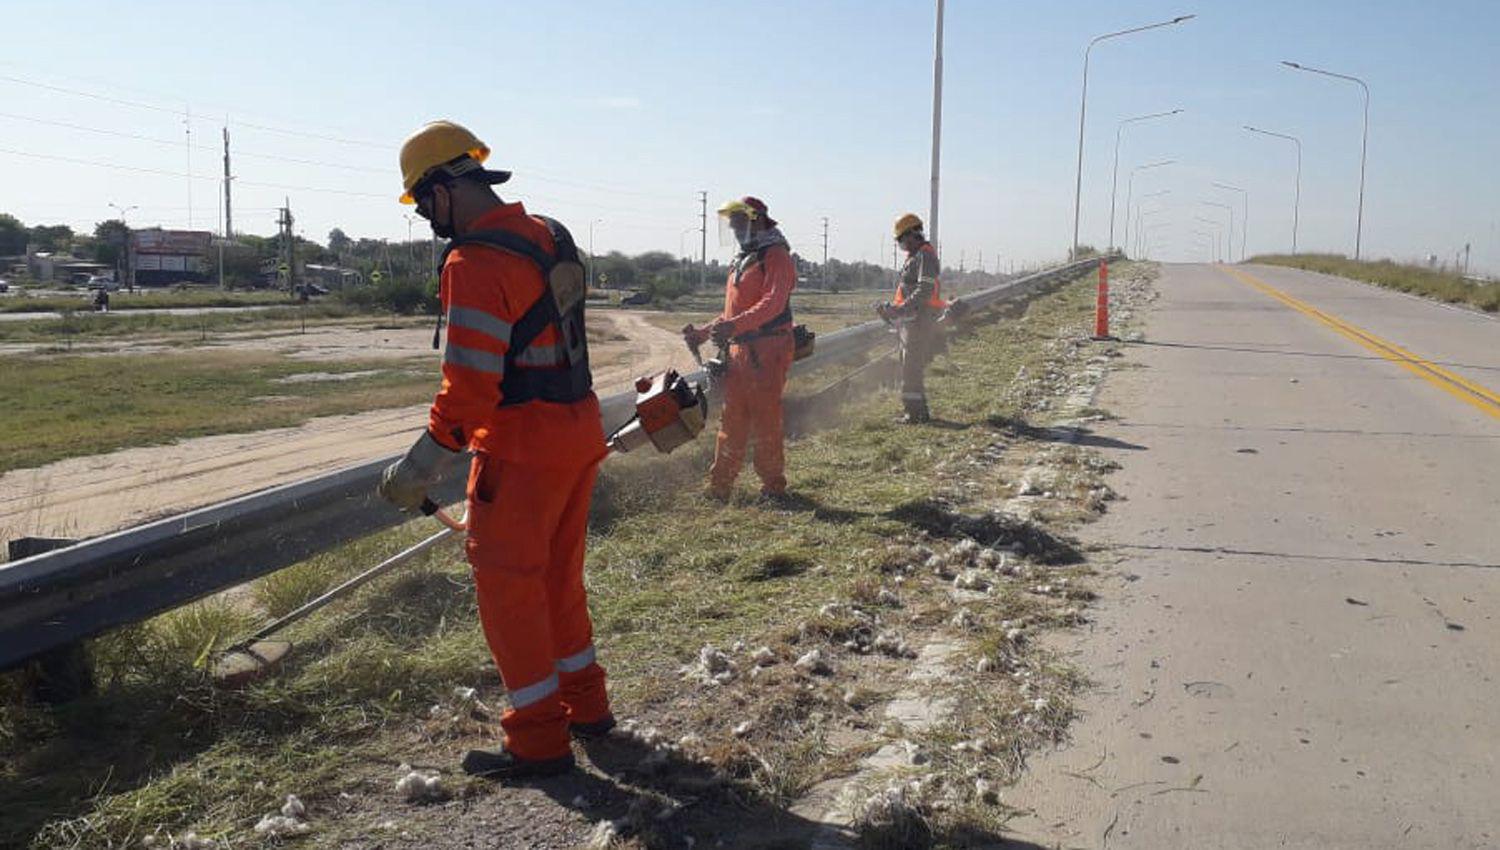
[1458, 386]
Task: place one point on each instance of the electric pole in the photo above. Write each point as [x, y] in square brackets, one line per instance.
[228, 219]
[703, 232]
[825, 252]
[937, 123]
[188, 123]
[289, 244]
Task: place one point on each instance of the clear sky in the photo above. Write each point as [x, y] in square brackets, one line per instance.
[622, 112]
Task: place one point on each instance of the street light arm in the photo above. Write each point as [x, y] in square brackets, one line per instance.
[1177, 20]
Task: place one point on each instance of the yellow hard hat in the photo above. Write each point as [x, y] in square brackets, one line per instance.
[730, 207]
[437, 145]
[907, 222]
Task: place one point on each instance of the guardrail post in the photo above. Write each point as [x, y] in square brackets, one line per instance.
[62, 674]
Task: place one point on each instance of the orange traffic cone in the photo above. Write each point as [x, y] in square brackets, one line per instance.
[1101, 307]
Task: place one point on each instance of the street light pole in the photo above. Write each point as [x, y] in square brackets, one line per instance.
[1083, 110]
[1364, 144]
[1130, 187]
[1229, 235]
[1296, 184]
[1114, 180]
[1244, 222]
[1218, 227]
[120, 266]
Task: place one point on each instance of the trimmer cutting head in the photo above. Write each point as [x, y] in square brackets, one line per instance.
[245, 664]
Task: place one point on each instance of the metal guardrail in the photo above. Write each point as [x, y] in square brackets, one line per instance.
[58, 598]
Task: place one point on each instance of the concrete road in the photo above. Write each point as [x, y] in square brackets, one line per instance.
[1301, 644]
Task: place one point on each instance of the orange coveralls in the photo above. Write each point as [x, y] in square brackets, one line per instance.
[756, 292]
[529, 491]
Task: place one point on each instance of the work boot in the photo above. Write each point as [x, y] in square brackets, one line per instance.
[504, 765]
[594, 730]
[718, 494]
[775, 498]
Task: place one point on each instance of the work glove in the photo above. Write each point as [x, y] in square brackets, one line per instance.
[694, 336]
[405, 482]
[883, 310]
[721, 332]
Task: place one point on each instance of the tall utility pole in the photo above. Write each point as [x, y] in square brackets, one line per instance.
[289, 246]
[1245, 221]
[825, 252]
[188, 123]
[228, 219]
[1114, 180]
[703, 232]
[937, 124]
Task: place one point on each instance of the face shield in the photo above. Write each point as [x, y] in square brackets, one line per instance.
[734, 228]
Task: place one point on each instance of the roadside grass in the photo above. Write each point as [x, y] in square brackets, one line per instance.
[84, 326]
[144, 300]
[160, 750]
[69, 406]
[1428, 283]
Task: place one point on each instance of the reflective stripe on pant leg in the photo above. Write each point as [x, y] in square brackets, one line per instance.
[532, 694]
[576, 662]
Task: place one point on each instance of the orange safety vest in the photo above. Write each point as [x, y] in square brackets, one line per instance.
[935, 301]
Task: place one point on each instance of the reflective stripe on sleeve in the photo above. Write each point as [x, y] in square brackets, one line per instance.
[474, 358]
[478, 320]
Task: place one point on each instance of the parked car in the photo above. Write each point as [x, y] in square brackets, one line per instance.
[4, 285]
[310, 289]
[636, 299]
[108, 284]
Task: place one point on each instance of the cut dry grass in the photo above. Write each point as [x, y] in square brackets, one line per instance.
[668, 573]
[1429, 283]
[69, 406]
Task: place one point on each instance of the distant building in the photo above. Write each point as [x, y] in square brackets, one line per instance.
[50, 267]
[163, 257]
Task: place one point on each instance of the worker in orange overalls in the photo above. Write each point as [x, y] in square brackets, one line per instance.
[757, 326]
[518, 392]
[917, 307]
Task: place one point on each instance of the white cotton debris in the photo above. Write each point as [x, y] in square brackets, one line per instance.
[813, 663]
[192, 841]
[280, 826]
[690, 741]
[831, 609]
[963, 552]
[713, 667]
[892, 818]
[1040, 704]
[419, 787]
[963, 620]
[1015, 635]
[744, 729]
[985, 665]
[971, 580]
[934, 563]
[985, 792]
[293, 808]
[739, 646]
[464, 695]
[763, 657]
[893, 645]
[888, 598]
[604, 834]
[991, 558]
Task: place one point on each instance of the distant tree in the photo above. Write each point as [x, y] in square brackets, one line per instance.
[654, 262]
[339, 242]
[109, 241]
[13, 235]
[56, 237]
